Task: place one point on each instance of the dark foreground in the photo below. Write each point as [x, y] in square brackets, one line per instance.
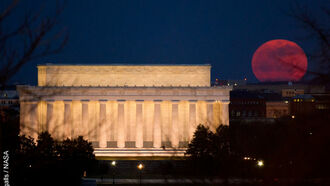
[221, 182]
[179, 172]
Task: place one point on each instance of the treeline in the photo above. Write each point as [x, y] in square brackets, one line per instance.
[44, 161]
[296, 148]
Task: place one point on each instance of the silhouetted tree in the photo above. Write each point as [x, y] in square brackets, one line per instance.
[200, 145]
[209, 151]
[76, 156]
[33, 37]
[318, 29]
[50, 162]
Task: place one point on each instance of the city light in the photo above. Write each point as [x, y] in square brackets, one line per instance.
[260, 163]
[247, 158]
[292, 116]
[113, 163]
[140, 166]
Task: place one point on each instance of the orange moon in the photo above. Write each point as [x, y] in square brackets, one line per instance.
[279, 60]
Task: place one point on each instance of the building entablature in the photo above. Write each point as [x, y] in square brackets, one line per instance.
[28, 93]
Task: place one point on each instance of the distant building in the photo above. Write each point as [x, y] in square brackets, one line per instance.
[256, 105]
[277, 109]
[246, 105]
[292, 92]
[310, 103]
[285, 89]
[9, 103]
[9, 98]
[276, 99]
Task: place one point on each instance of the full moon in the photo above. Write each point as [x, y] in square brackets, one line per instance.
[279, 60]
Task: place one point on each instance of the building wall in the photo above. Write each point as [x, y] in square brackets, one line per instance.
[123, 118]
[124, 75]
[277, 109]
[292, 92]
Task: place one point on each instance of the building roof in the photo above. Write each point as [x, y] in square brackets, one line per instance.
[303, 96]
[121, 64]
[268, 96]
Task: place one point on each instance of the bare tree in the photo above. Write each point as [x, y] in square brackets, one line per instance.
[318, 29]
[32, 38]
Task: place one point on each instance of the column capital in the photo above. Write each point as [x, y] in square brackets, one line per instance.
[121, 100]
[84, 100]
[139, 100]
[158, 100]
[210, 101]
[175, 101]
[67, 101]
[50, 100]
[192, 101]
[103, 100]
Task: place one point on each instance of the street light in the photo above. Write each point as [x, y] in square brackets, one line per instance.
[113, 165]
[140, 167]
[260, 163]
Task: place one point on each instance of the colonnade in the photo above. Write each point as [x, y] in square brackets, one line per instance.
[123, 123]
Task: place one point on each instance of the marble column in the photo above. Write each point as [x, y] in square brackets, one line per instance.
[58, 114]
[121, 124]
[84, 118]
[94, 121]
[157, 136]
[224, 112]
[77, 116]
[103, 124]
[24, 117]
[34, 120]
[42, 115]
[50, 118]
[192, 118]
[139, 124]
[175, 124]
[68, 129]
[209, 111]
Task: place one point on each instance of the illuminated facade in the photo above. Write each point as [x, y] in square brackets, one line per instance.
[124, 110]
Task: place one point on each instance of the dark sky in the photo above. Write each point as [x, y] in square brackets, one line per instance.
[224, 34]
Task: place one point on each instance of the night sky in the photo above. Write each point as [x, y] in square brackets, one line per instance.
[224, 34]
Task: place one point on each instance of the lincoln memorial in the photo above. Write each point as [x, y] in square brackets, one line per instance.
[124, 110]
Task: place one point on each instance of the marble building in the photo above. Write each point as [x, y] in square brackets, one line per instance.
[124, 110]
